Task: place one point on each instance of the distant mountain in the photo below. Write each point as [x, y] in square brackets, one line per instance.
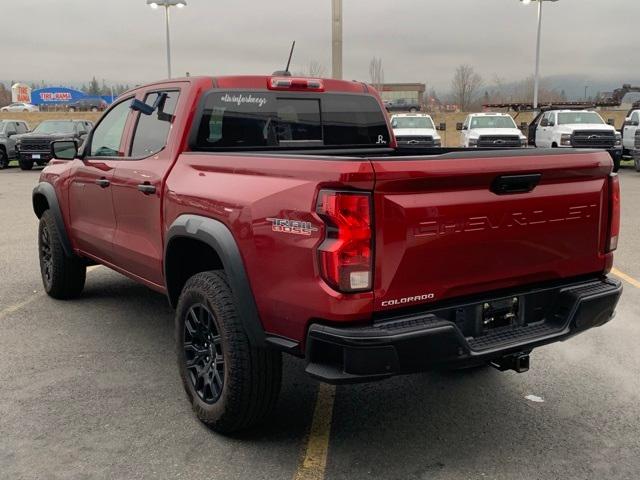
[574, 85]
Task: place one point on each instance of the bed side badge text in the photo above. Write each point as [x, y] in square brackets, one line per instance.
[297, 227]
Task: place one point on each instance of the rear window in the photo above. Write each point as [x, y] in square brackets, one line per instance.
[257, 120]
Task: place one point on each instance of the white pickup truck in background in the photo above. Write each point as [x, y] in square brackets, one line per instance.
[629, 128]
[415, 130]
[491, 130]
[578, 129]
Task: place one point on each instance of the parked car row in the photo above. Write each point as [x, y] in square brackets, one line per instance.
[31, 148]
[562, 128]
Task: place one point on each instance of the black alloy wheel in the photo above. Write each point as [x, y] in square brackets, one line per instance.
[46, 256]
[203, 353]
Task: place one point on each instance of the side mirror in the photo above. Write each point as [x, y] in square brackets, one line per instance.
[459, 127]
[442, 127]
[11, 134]
[140, 106]
[64, 149]
[544, 122]
[611, 121]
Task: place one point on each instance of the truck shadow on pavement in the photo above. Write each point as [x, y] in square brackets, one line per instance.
[149, 319]
[418, 426]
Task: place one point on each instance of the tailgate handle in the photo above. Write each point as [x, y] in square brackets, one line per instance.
[515, 183]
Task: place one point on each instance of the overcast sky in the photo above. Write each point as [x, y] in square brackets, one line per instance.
[68, 41]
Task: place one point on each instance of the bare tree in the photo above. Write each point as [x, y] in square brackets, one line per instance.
[376, 73]
[465, 85]
[315, 69]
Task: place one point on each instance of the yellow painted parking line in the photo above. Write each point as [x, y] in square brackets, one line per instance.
[625, 277]
[314, 463]
[14, 308]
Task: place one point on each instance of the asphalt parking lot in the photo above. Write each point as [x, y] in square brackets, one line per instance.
[89, 389]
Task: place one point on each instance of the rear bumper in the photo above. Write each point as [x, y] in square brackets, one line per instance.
[419, 342]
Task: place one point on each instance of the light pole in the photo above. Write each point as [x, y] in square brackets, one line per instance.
[536, 79]
[167, 4]
[336, 39]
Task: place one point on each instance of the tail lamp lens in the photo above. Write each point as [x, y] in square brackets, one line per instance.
[345, 256]
[614, 217]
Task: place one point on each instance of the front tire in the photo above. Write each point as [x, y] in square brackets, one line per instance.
[63, 277]
[232, 385]
[4, 159]
[25, 164]
[636, 161]
[616, 164]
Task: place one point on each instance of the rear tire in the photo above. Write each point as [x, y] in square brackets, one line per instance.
[94, 109]
[232, 385]
[26, 164]
[72, 109]
[63, 277]
[413, 110]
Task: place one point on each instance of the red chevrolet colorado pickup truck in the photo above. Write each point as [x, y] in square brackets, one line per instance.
[278, 215]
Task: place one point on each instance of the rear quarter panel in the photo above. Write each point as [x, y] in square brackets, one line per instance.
[244, 192]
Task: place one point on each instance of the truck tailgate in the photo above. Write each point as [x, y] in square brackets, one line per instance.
[444, 229]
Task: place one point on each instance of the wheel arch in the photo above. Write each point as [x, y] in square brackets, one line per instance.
[194, 244]
[44, 198]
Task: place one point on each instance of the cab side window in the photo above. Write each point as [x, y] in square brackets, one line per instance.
[11, 129]
[635, 117]
[107, 136]
[152, 131]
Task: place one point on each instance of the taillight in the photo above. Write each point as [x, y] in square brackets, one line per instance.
[614, 212]
[345, 256]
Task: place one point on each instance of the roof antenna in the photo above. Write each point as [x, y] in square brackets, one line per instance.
[286, 72]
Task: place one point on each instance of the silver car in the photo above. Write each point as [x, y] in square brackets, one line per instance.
[19, 107]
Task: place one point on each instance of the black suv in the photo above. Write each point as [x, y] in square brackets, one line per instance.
[35, 147]
[90, 104]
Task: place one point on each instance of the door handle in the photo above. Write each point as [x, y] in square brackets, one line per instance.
[147, 188]
[103, 182]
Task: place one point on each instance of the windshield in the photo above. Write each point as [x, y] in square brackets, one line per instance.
[55, 127]
[412, 122]
[579, 117]
[493, 122]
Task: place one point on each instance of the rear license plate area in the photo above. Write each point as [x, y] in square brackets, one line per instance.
[497, 314]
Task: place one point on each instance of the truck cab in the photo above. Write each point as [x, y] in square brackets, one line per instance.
[415, 130]
[491, 130]
[577, 129]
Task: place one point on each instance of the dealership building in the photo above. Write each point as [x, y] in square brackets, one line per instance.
[409, 91]
[52, 97]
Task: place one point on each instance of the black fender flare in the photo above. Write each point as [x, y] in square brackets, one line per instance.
[46, 190]
[217, 236]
